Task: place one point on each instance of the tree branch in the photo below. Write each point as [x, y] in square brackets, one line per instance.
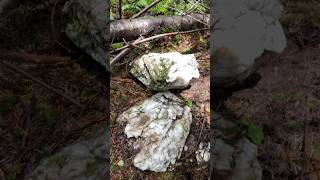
[145, 9]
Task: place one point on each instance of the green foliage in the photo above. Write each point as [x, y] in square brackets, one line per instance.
[253, 132]
[117, 45]
[120, 163]
[189, 103]
[165, 7]
[292, 124]
[187, 50]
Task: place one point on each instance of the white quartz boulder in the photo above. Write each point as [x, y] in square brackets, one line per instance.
[161, 125]
[161, 72]
[244, 30]
[86, 27]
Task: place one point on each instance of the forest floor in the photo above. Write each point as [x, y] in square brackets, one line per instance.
[126, 92]
[285, 104]
[35, 121]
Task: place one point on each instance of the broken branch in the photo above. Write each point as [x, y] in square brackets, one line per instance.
[24, 73]
[34, 58]
[159, 36]
[145, 9]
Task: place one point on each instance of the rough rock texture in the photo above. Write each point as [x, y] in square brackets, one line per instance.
[85, 160]
[161, 72]
[203, 153]
[87, 27]
[245, 29]
[234, 159]
[4, 4]
[161, 124]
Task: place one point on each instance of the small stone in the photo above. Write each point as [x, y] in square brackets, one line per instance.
[203, 153]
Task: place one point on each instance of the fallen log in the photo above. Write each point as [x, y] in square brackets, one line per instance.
[34, 58]
[131, 29]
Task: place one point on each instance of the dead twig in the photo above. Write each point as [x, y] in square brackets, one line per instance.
[124, 52]
[145, 9]
[34, 58]
[202, 126]
[87, 126]
[159, 36]
[24, 73]
[119, 9]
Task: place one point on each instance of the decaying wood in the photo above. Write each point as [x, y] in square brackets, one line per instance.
[131, 29]
[34, 58]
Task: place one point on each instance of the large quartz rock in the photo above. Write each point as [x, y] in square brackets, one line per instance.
[5, 4]
[161, 72]
[161, 124]
[88, 21]
[83, 160]
[244, 30]
[234, 158]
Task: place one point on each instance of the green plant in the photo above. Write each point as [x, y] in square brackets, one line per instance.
[165, 7]
[253, 132]
[117, 45]
[188, 103]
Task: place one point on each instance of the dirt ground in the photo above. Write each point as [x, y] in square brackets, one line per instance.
[35, 121]
[285, 104]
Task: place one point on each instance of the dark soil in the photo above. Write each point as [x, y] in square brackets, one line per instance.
[35, 121]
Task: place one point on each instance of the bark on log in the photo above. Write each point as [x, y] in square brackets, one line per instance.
[131, 29]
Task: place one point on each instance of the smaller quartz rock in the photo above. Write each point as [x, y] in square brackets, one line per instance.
[83, 160]
[237, 156]
[162, 124]
[203, 153]
[161, 72]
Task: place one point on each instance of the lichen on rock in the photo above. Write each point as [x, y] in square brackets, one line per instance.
[161, 125]
[88, 21]
[161, 72]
